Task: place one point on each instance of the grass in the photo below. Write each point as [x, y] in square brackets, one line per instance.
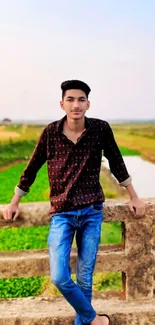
[19, 150]
[12, 239]
[129, 152]
[10, 177]
[21, 287]
[12, 149]
[138, 137]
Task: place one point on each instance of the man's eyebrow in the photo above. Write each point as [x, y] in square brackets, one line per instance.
[71, 97]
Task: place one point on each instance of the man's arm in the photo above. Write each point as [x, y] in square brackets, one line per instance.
[36, 161]
[28, 176]
[119, 170]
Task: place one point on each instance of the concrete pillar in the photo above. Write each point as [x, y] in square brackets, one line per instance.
[138, 249]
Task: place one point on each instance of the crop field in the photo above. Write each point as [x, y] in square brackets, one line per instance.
[140, 137]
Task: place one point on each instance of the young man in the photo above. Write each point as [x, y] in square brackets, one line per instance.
[73, 148]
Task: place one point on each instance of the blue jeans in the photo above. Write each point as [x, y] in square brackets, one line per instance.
[86, 223]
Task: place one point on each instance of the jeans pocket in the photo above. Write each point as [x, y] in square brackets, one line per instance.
[97, 206]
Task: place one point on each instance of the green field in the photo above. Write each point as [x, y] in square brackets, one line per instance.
[129, 152]
[13, 147]
[10, 177]
[10, 152]
[140, 137]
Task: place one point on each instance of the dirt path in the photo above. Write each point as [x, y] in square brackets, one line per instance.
[2, 168]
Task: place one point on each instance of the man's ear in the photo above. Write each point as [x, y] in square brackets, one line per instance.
[62, 104]
[88, 104]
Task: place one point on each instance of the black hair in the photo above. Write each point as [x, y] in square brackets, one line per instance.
[75, 84]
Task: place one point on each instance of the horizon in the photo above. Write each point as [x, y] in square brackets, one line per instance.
[35, 121]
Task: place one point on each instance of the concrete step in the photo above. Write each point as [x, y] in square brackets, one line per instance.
[56, 311]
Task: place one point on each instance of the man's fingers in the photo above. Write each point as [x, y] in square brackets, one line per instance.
[131, 208]
[5, 215]
[15, 216]
[137, 212]
[10, 212]
[140, 212]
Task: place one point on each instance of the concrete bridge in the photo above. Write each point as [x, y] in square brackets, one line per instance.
[134, 257]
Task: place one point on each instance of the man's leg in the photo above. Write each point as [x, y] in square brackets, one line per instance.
[87, 238]
[62, 229]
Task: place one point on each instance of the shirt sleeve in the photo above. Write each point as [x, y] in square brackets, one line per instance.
[38, 158]
[112, 153]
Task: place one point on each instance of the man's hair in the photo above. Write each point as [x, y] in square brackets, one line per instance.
[75, 84]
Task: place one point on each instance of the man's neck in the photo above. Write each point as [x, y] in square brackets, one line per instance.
[75, 126]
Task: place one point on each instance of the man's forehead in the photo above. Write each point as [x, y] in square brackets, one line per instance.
[75, 93]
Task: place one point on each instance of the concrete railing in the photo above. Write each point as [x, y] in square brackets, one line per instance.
[134, 257]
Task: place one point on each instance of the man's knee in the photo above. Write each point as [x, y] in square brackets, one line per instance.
[60, 281]
[85, 282]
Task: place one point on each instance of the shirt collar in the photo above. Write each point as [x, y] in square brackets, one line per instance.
[60, 123]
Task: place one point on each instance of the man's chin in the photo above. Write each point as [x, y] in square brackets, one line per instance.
[77, 116]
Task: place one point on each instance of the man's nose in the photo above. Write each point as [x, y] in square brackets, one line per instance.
[76, 104]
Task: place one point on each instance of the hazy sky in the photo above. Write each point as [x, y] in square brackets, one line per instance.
[108, 44]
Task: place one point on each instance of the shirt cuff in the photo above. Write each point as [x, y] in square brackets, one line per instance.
[20, 192]
[126, 182]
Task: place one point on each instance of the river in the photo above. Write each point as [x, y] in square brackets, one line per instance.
[143, 175]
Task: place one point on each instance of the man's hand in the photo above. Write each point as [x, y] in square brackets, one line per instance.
[137, 206]
[11, 212]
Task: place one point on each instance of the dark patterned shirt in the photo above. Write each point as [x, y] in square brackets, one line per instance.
[73, 169]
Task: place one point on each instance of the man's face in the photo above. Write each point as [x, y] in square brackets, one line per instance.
[75, 103]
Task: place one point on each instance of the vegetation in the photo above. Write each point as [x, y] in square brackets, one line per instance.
[17, 142]
[21, 287]
[129, 152]
[10, 177]
[21, 150]
[140, 137]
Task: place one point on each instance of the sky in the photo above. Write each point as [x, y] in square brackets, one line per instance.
[108, 44]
